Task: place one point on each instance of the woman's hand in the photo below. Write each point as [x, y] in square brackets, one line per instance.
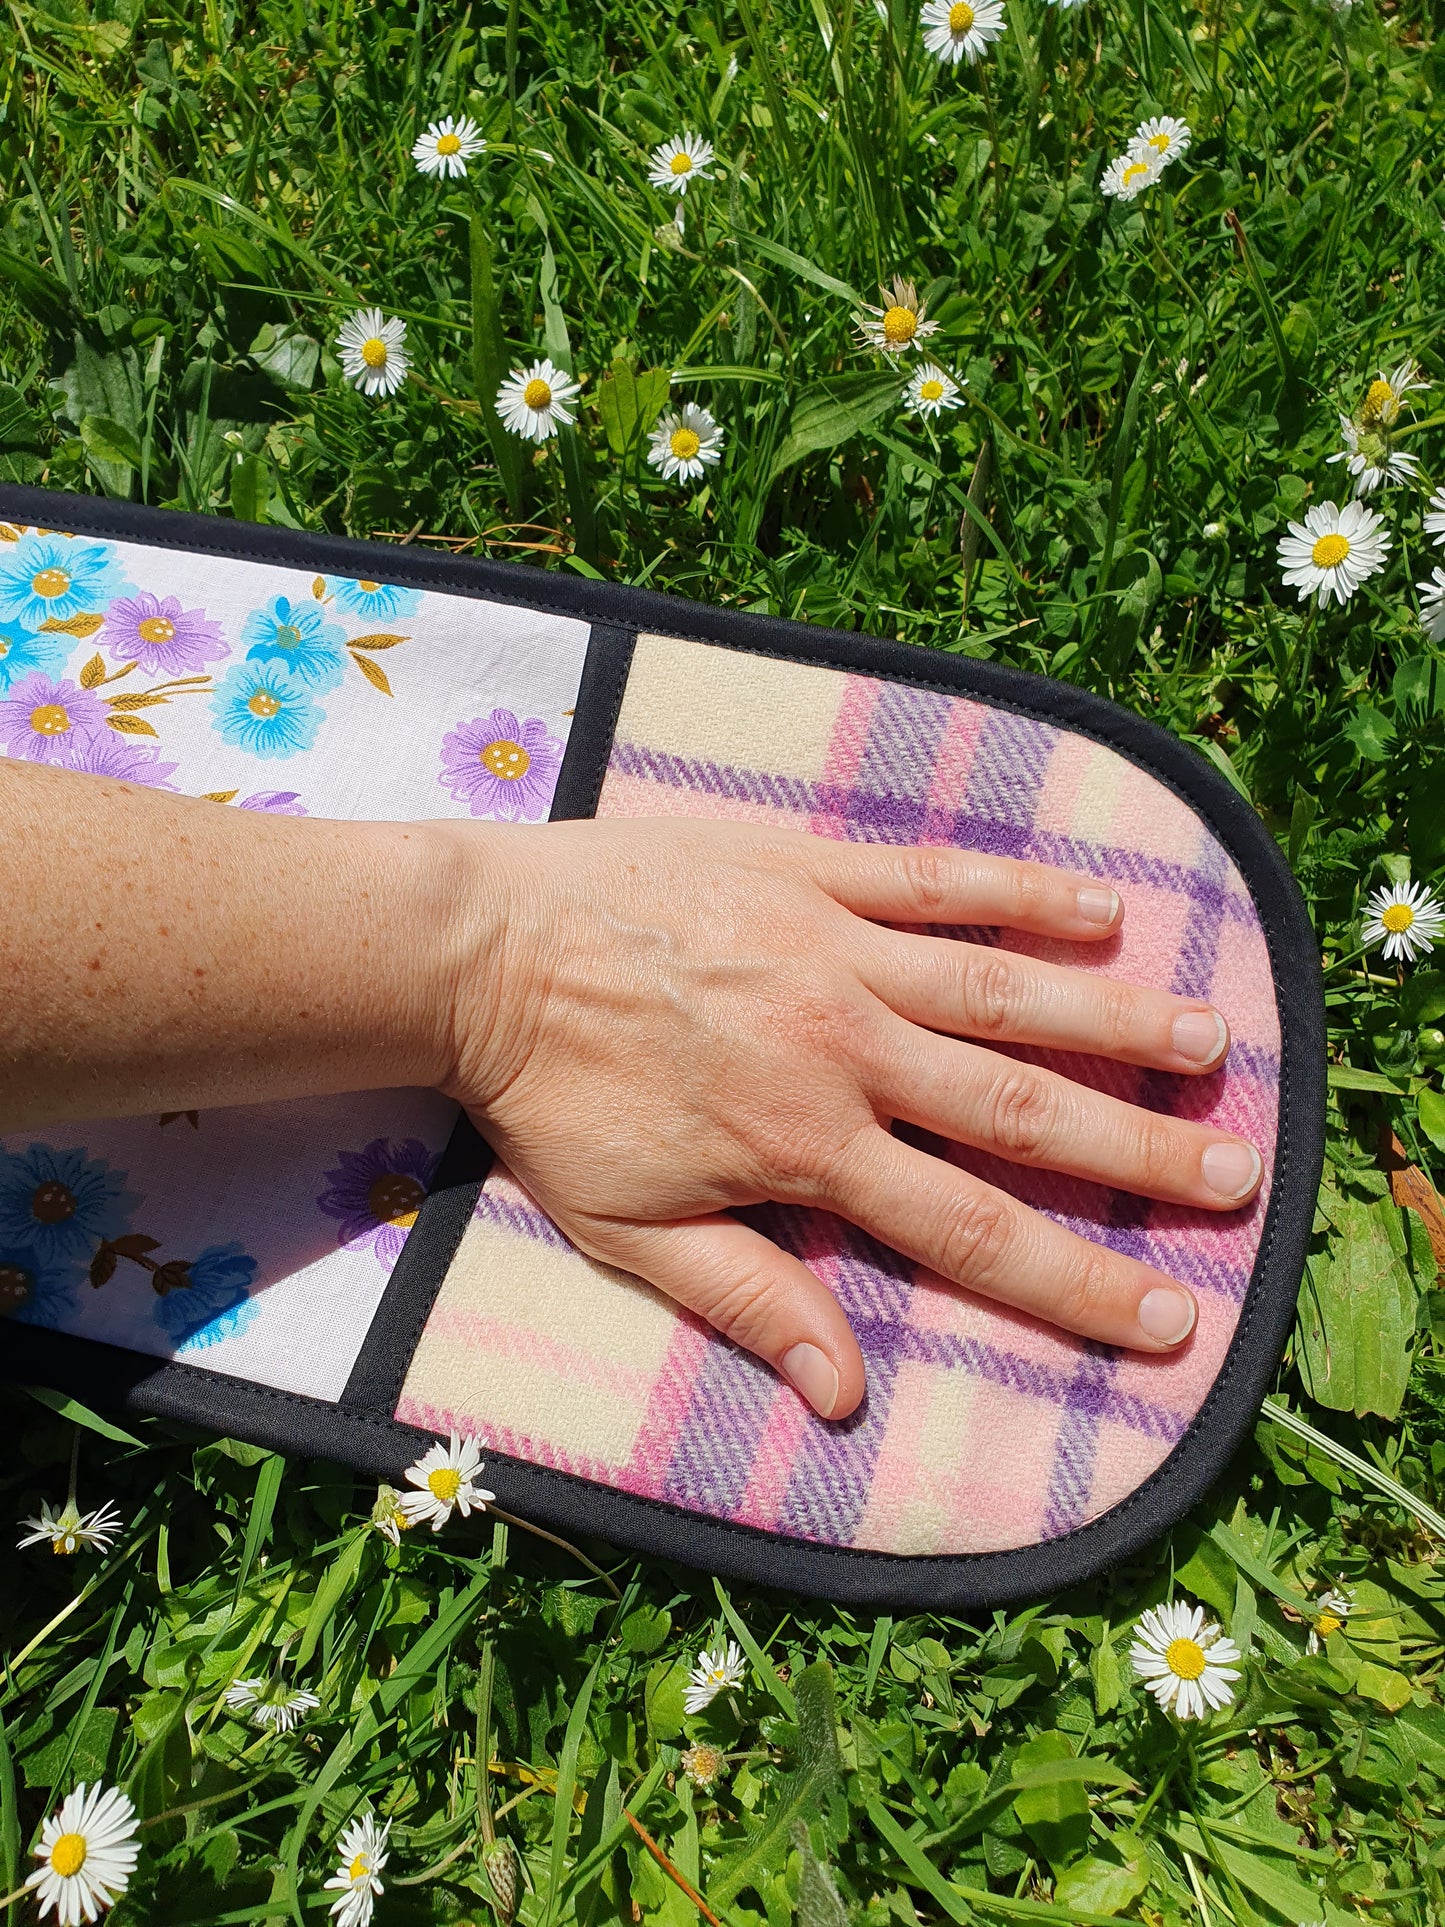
[659, 1021]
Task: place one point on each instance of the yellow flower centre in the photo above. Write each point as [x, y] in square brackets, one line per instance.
[1133, 171]
[1185, 1658]
[684, 444]
[719, 1676]
[286, 636]
[49, 719]
[1397, 918]
[1330, 551]
[960, 17]
[505, 759]
[373, 352]
[52, 1203]
[395, 1198]
[449, 144]
[537, 395]
[67, 1856]
[4, 647]
[50, 583]
[368, 588]
[1379, 397]
[264, 705]
[930, 390]
[15, 1288]
[156, 629]
[1327, 1624]
[681, 164]
[900, 324]
[445, 1483]
[1160, 143]
[361, 1865]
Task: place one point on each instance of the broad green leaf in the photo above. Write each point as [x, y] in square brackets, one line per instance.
[1099, 1886]
[819, 1903]
[629, 402]
[1371, 731]
[662, 1698]
[801, 1796]
[1208, 1573]
[1383, 1685]
[1357, 1311]
[832, 412]
[644, 1630]
[1055, 1815]
[250, 488]
[1271, 1878]
[1430, 1107]
[339, 1579]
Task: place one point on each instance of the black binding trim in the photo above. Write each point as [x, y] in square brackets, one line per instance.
[378, 1444]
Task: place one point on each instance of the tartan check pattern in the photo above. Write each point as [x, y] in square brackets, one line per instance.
[983, 1430]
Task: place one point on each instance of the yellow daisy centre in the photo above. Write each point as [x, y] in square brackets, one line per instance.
[361, 1865]
[15, 1288]
[960, 17]
[52, 1203]
[930, 390]
[684, 444]
[1330, 551]
[1379, 396]
[1328, 1623]
[156, 629]
[1185, 1658]
[1133, 171]
[537, 394]
[901, 324]
[681, 164]
[67, 1856]
[505, 759]
[395, 1198]
[368, 588]
[445, 1483]
[50, 583]
[1396, 919]
[50, 719]
[4, 647]
[373, 352]
[449, 144]
[264, 705]
[1160, 143]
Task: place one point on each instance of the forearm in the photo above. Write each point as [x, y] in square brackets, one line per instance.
[161, 953]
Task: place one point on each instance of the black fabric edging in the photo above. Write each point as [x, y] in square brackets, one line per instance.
[375, 1443]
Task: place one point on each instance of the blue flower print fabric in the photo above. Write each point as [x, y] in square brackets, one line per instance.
[255, 1241]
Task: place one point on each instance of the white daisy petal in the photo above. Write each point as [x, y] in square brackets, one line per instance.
[716, 1672]
[931, 389]
[1387, 393]
[678, 163]
[1129, 174]
[1435, 518]
[87, 1853]
[1333, 551]
[957, 30]
[357, 1880]
[684, 441]
[1406, 918]
[447, 146]
[898, 324]
[1166, 137]
[1184, 1660]
[534, 402]
[373, 352]
[70, 1530]
[445, 1480]
[1371, 459]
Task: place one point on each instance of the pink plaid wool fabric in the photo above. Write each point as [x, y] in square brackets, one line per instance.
[982, 1430]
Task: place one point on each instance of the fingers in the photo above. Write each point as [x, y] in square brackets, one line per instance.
[974, 991]
[932, 885]
[1035, 1117]
[755, 1294]
[967, 1231]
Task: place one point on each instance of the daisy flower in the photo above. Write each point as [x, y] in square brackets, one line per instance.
[678, 162]
[1387, 391]
[702, 1764]
[715, 1672]
[1129, 174]
[1166, 137]
[1185, 1660]
[69, 1529]
[358, 1878]
[445, 1476]
[1432, 605]
[1333, 551]
[898, 324]
[87, 1853]
[1371, 460]
[1334, 1610]
[270, 1707]
[684, 442]
[387, 1514]
[931, 389]
[1435, 518]
[1406, 918]
[447, 146]
[373, 352]
[533, 402]
[960, 31]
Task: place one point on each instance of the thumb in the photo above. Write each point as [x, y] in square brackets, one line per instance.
[754, 1293]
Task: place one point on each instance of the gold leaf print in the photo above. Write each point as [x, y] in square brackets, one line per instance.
[80, 627]
[130, 726]
[93, 673]
[137, 699]
[318, 588]
[213, 796]
[374, 674]
[376, 642]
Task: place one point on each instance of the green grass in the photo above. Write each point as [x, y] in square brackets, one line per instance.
[191, 201]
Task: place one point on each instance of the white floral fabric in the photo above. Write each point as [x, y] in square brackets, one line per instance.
[255, 1241]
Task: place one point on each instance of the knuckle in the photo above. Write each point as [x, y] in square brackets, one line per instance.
[974, 1234]
[1021, 1113]
[990, 994]
[741, 1309]
[1117, 1013]
[1084, 1291]
[929, 874]
[1030, 892]
[1157, 1154]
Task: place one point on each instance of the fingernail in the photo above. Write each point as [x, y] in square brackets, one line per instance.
[1096, 904]
[1166, 1314]
[814, 1374]
[1231, 1169]
[1200, 1035]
